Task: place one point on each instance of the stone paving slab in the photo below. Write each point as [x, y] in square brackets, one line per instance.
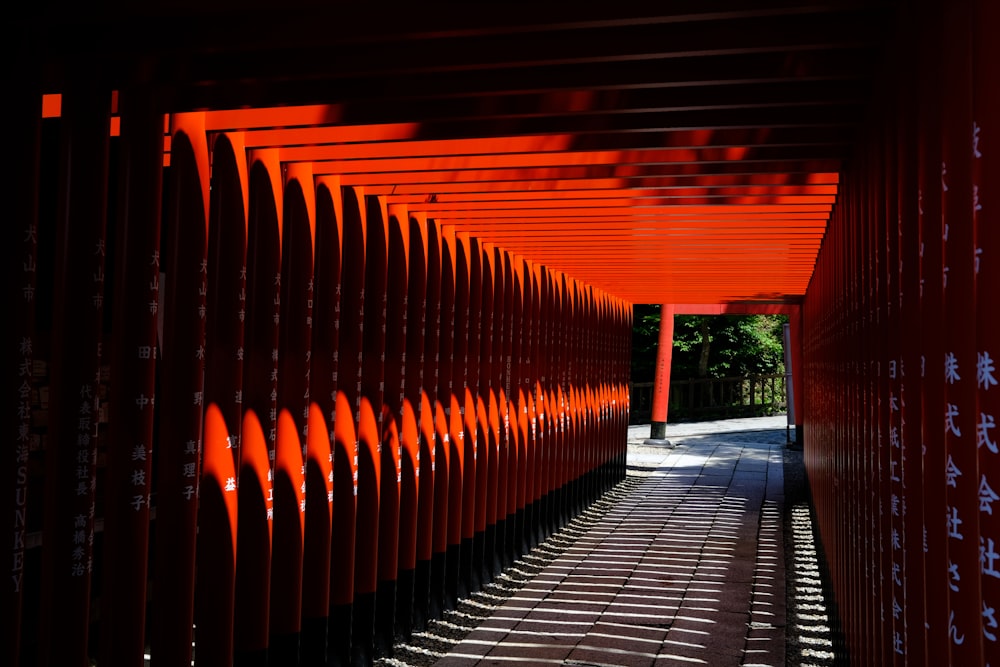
[686, 569]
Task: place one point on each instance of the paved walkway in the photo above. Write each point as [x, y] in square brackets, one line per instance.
[686, 568]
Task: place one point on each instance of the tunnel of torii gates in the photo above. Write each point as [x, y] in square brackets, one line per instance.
[281, 412]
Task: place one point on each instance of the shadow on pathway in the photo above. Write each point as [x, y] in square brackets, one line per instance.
[685, 562]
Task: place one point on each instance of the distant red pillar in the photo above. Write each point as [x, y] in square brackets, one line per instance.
[795, 342]
[661, 383]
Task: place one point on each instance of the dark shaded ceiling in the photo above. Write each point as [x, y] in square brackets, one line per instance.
[682, 152]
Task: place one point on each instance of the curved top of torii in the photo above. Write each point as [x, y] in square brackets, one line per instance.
[685, 153]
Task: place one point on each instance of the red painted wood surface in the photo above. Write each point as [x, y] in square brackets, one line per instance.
[507, 449]
[464, 371]
[515, 418]
[345, 463]
[487, 417]
[132, 382]
[214, 553]
[79, 292]
[428, 511]
[664, 354]
[297, 294]
[369, 407]
[477, 460]
[985, 159]
[897, 365]
[183, 275]
[416, 479]
[447, 528]
[21, 292]
[316, 564]
[258, 440]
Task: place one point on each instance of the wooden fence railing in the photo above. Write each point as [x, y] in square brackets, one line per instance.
[699, 399]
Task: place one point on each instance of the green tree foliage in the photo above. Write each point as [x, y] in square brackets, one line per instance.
[737, 345]
[645, 333]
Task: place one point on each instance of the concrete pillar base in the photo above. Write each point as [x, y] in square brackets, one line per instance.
[795, 437]
[658, 442]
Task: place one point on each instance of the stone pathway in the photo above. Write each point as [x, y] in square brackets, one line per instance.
[687, 568]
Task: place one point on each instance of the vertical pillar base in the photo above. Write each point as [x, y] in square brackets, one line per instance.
[658, 435]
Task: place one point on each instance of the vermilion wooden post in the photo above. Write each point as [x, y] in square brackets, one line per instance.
[614, 377]
[574, 431]
[852, 524]
[316, 565]
[467, 393]
[614, 369]
[429, 587]
[548, 381]
[613, 438]
[25, 105]
[959, 293]
[76, 349]
[443, 459]
[985, 158]
[846, 559]
[578, 393]
[661, 386]
[295, 336]
[929, 210]
[568, 443]
[533, 443]
[895, 493]
[224, 353]
[798, 394]
[182, 266]
[519, 408]
[457, 323]
[369, 417]
[884, 349]
[507, 468]
[866, 453]
[549, 412]
[485, 433]
[558, 406]
[417, 477]
[133, 374]
[492, 384]
[390, 501]
[626, 372]
[910, 418]
[529, 351]
[481, 331]
[597, 372]
[515, 456]
[578, 398]
[588, 379]
[260, 394]
[538, 392]
[604, 362]
[596, 397]
[345, 459]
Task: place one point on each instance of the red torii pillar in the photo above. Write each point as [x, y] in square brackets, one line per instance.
[661, 384]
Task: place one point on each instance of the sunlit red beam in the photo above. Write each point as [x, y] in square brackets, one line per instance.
[634, 159]
[605, 206]
[290, 129]
[646, 176]
[804, 183]
[639, 197]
